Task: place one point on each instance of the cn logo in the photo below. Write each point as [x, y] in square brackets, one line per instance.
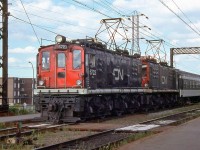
[118, 74]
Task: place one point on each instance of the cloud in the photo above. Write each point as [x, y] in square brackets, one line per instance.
[26, 50]
[31, 59]
[69, 19]
[13, 60]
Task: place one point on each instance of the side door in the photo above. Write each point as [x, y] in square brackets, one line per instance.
[92, 71]
[60, 69]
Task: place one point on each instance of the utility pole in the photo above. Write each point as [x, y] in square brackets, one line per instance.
[135, 48]
[111, 26]
[135, 35]
[156, 49]
[4, 57]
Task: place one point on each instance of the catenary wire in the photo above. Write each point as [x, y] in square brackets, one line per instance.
[30, 22]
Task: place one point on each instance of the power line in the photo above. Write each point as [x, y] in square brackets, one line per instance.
[103, 4]
[167, 43]
[179, 17]
[109, 3]
[33, 24]
[44, 27]
[30, 22]
[90, 8]
[182, 20]
[56, 12]
[185, 15]
[54, 20]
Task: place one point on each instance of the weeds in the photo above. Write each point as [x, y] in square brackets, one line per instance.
[2, 125]
[16, 110]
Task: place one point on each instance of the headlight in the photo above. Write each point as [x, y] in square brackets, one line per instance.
[78, 82]
[41, 82]
[60, 39]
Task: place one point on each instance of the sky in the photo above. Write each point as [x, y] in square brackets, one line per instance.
[78, 19]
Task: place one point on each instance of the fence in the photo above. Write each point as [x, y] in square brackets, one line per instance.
[20, 109]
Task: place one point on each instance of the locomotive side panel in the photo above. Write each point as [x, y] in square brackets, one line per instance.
[176, 79]
[166, 77]
[171, 78]
[136, 73]
[154, 76]
[101, 66]
[107, 70]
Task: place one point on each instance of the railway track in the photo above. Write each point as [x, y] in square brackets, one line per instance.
[107, 138]
[27, 130]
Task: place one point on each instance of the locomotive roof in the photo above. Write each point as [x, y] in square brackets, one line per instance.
[93, 44]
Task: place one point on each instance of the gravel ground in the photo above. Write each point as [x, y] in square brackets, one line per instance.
[84, 129]
[60, 136]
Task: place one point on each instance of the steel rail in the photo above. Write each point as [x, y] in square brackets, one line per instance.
[74, 144]
[27, 132]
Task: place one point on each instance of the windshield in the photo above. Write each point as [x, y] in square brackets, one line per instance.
[45, 60]
[76, 59]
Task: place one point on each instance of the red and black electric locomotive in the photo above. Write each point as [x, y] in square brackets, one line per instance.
[82, 79]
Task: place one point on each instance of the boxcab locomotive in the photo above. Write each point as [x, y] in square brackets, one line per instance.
[82, 79]
[78, 79]
[158, 75]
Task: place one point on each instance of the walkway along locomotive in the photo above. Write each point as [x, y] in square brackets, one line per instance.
[83, 79]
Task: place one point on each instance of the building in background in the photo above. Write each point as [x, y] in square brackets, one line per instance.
[19, 90]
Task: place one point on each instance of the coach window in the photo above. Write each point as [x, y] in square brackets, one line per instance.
[45, 60]
[76, 59]
[61, 60]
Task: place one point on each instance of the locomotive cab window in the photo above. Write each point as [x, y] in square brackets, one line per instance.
[45, 60]
[76, 59]
[61, 60]
[92, 60]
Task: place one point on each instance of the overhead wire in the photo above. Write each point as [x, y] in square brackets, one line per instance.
[103, 4]
[54, 20]
[179, 17]
[156, 37]
[169, 44]
[33, 24]
[185, 15]
[109, 3]
[56, 12]
[30, 22]
[182, 20]
[90, 8]
[84, 5]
